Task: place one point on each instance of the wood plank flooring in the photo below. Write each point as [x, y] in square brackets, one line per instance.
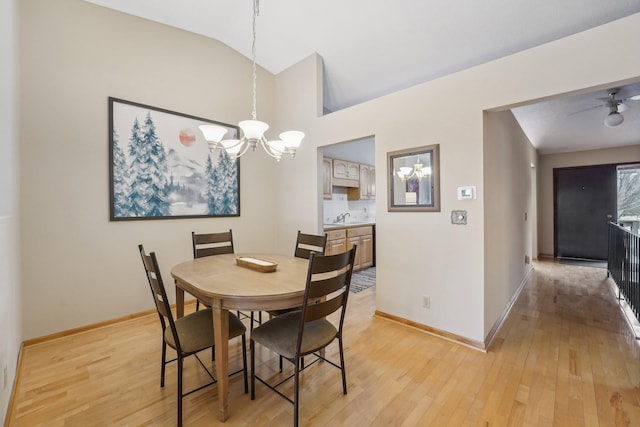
[564, 357]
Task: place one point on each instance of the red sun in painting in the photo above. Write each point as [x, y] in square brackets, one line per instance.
[187, 138]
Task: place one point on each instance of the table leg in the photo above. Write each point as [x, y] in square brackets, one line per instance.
[179, 301]
[221, 339]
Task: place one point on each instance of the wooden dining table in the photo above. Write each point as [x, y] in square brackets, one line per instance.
[222, 284]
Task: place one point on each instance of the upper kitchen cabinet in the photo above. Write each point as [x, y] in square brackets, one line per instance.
[366, 185]
[364, 182]
[327, 177]
[346, 174]
[367, 182]
[372, 182]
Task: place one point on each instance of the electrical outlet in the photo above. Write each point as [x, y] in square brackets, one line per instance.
[426, 301]
[526, 259]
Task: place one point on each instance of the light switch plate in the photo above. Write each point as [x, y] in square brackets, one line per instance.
[459, 217]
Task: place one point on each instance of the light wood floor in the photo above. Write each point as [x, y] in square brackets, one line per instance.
[564, 357]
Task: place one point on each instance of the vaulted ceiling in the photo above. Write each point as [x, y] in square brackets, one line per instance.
[372, 48]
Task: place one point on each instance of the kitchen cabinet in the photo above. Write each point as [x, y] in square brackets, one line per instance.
[345, 170]
[345, 237]
[346, 174]
[364, 182]
[327, 177]
[336, 242]
[372, 182]
[366, 185]
[363, 237]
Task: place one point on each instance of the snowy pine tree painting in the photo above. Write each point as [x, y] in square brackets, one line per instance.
[165, 168]
[121, 185]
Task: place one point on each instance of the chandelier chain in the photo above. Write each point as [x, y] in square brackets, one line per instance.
[256, 11]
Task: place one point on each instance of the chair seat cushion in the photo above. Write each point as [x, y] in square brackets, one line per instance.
[195, 331]
[280, 334]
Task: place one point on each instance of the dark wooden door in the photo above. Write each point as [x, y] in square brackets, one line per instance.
[585, 202]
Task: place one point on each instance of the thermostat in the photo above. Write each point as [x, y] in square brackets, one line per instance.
[468, 192]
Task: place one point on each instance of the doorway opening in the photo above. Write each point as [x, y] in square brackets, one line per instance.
[349, 205]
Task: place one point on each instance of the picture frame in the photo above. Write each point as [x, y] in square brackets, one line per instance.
[160, 166]
[413, 179]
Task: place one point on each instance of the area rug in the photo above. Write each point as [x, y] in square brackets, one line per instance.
[363, 279]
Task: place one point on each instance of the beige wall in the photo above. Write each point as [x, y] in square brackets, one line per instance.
[545, 182]
[10, 313]
[422, 253]
[78, 268]
[509, 209]
[75, 55]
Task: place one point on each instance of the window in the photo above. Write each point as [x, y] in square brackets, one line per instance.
[629, 192]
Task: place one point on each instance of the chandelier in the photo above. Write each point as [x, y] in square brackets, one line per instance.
[418, 170]
[252, 130]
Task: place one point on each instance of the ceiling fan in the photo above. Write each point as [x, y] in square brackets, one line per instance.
[615, 105]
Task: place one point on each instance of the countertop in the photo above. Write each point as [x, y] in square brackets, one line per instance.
[340, 225]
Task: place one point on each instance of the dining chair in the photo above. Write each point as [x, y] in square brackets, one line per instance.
[305, 244]
[210, 244]
[189, 334]
[307, 331]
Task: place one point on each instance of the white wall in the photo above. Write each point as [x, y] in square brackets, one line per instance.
[422, 253]
[10, 313]
[509, 209]
[77, 267]
[545, 181]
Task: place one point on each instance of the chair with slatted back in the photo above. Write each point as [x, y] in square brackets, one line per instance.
[307, 243]
[210, 244]
[189, 334]
[307, 331]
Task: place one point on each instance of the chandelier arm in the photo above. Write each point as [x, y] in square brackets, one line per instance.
[276, 154]
[244, 150]
[240, 142]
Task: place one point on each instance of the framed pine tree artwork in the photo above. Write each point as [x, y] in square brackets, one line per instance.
[160, 166]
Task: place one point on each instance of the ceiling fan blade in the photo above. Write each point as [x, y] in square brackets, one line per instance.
[586, 109]
[633, 98]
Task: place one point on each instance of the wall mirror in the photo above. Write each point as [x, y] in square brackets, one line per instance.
[413, 179]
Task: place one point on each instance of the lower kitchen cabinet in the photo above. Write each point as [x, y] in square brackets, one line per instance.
[343, 239]
[363, 237]
[336, 242]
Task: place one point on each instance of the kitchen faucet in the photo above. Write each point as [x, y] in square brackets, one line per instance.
[342, 217]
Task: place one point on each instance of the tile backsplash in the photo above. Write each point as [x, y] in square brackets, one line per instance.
[359, 210]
